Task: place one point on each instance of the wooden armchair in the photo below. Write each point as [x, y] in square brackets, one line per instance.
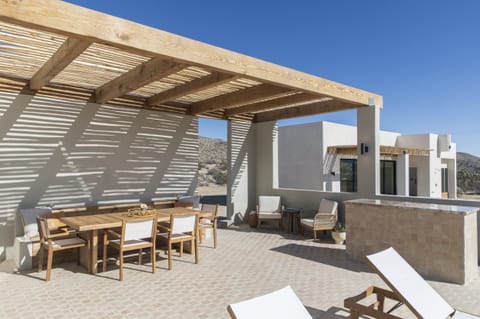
[182, 228]
[325, 218]
[269, 208]
[209, 222]
[54, 238]
[138, 232]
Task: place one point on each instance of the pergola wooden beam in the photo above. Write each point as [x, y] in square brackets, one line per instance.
[65, 55]
[73, 21]
[270, 104]
[304, 110]
[143, 74]
[206, 82]
[384, 150]
[239, 97]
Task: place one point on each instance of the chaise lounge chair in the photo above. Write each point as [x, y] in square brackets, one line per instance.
[280, 304]
[408, 287]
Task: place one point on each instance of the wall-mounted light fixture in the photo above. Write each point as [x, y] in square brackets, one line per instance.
[363, 148]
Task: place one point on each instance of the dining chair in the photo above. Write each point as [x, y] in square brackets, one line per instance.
[138, 232]
[182, 228]
[53, 240]
[208, 221]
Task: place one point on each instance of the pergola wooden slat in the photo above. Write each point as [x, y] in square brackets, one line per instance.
[219, 84]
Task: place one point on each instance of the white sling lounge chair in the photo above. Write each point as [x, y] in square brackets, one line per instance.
[408, 287]
[280, 304]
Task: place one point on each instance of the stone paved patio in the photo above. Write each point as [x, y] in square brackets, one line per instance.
[246, 264]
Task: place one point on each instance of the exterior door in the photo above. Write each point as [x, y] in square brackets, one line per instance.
[388, 177]
[413, 183]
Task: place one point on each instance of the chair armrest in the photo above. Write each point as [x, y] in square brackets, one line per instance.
[113, 233]
[163, 228]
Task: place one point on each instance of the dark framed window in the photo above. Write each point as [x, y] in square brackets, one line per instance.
[388, 177]
[348, 175]
[444, 180]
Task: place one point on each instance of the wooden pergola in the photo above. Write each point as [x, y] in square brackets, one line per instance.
[57, 49]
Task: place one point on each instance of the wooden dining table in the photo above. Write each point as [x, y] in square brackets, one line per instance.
[93, 223]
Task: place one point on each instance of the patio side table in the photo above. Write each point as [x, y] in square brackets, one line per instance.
[293, 217]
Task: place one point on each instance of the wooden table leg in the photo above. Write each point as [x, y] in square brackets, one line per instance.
[93, 251]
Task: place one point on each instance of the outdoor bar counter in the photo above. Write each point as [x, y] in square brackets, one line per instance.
[439, 241]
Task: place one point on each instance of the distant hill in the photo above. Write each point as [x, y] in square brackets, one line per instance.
[212, 163]
[468, 173]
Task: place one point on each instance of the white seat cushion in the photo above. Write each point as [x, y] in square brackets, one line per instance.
[175, 236]
[129, 243]
[206, 222]
[68, 242]
[306, 221]
[263, 215]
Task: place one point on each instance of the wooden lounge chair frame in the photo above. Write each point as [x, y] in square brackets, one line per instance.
[423, 301]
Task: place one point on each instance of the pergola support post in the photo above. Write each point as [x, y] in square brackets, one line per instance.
[368, 141]
[241, 170]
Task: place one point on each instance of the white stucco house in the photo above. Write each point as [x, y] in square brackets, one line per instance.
[323, 156]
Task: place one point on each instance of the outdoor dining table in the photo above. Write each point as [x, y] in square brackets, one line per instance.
[95, 222]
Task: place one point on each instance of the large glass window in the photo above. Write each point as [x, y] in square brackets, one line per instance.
[388, 180]
[348, 175]
[445, 180]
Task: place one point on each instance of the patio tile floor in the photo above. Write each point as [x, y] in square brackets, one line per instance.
[247, 263]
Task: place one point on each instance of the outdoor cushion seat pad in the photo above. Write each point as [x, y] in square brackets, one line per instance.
[68, 242]
[310, 222]
[269, 215]
[175, 236]
[128, 243]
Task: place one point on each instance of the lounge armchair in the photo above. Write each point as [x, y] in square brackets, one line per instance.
[280, 304]
[269, 208]
[408, 287]
[324, 219]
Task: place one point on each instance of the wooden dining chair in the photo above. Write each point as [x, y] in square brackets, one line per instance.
[182, 228]
[138, 232]
[208, 221]
[52, 240]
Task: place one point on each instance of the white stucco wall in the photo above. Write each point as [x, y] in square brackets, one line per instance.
[241, 175]
[73, 153]
[305, 164]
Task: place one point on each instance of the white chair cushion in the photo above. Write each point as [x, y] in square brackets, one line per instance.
[263, 215]
[327, 206]
[269, 204]
[28, 218]
[129, 243]
[280, 304]
[174, 236]
[68, 242]
[306, 221]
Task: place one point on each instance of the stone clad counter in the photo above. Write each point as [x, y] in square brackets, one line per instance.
[439, 241]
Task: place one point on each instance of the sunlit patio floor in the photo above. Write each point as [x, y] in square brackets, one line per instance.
[247, 263]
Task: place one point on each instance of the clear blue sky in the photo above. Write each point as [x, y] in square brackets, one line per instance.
[422, 56]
